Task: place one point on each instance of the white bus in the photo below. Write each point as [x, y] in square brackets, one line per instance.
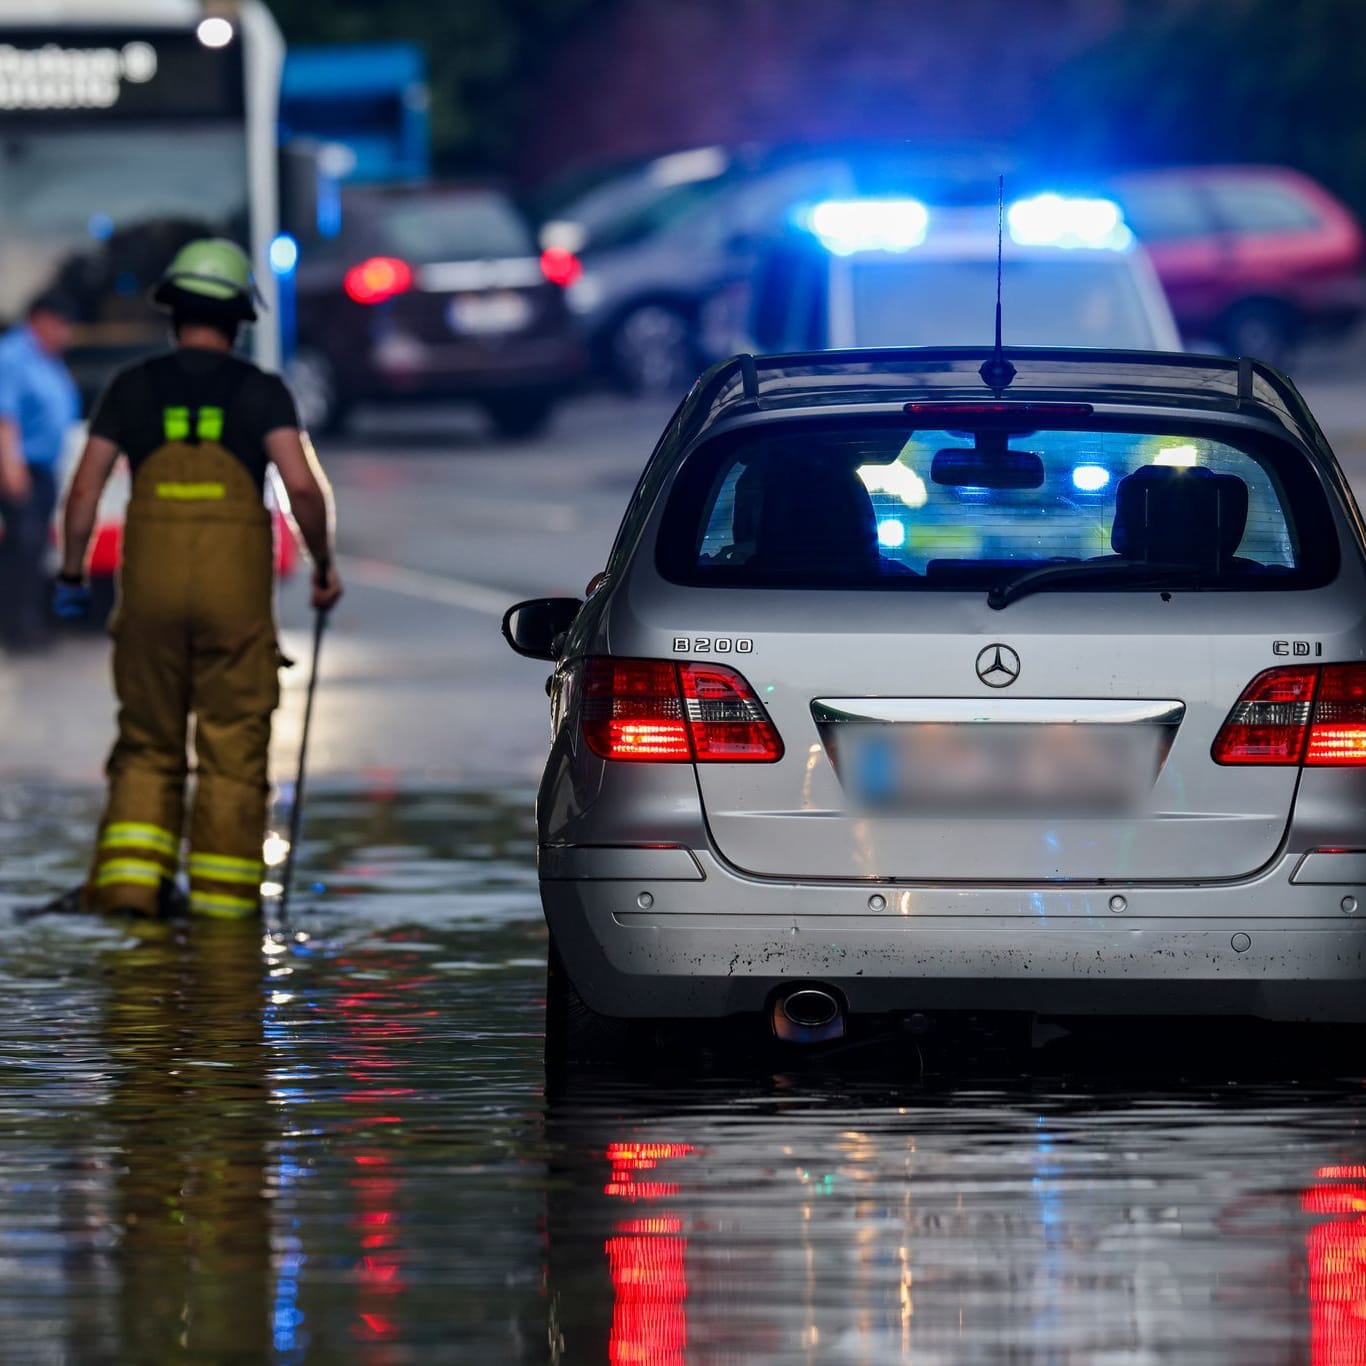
[128, 127]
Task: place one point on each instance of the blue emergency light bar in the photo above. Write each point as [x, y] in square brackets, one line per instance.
[845, 226]
[1054, 220]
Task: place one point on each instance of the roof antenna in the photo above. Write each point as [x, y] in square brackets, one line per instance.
[997, 371]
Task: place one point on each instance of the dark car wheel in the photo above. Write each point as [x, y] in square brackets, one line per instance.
[518, 416]
[317, 391]
[653, 352]
[575, 1034]
[1260, 329]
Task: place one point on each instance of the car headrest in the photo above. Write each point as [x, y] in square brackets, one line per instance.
[1179, 516]
[815, 514]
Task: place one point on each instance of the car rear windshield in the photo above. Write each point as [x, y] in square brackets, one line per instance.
[476, 225]
[812, 506]
[929, 302]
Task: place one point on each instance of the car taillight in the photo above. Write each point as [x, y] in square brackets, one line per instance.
[378, 279]
[560, 267]
[1338, 734]
[656, 711]
[1306, 714]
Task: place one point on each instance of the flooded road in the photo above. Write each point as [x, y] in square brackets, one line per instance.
[334, 1143]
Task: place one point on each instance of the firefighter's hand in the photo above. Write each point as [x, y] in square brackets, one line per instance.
[71, 599]
[327, 588]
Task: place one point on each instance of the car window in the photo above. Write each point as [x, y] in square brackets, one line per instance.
[835, 508]
[463, 227]
[764, 204]
[605, 207]
[909, 301]
[1165, 213]
[1261, 206]
[658, 211]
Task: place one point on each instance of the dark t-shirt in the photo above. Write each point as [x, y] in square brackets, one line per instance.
[131, 410]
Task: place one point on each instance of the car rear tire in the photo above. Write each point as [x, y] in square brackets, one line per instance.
[317, 391]
[516, 417]
[575, 1034]
[1261, 329]
[654, 353]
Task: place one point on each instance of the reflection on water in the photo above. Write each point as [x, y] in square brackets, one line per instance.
[334, 1144]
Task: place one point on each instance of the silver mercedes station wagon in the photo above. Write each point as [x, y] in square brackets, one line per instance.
[921, 682]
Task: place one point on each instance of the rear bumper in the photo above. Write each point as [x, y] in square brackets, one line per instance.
[693, 939]
[424, 369]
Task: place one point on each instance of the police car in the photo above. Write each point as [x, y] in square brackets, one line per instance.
[899, 272]
[954, 680]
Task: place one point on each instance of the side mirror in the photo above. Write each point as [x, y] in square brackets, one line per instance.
[537, 628]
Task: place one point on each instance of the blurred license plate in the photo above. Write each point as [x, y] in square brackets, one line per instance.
[999, 769]
[482, 314]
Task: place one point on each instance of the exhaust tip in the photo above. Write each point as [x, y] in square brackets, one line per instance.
[807, 1015]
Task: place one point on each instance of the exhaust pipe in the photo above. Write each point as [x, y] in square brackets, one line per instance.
[809, 1014]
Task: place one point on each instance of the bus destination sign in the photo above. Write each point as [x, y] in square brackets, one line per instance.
[140, 74]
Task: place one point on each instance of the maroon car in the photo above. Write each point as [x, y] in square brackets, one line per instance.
[434, 292]
[1254, 258]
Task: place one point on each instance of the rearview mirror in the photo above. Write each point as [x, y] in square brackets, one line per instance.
[965, 467]
[537, 628]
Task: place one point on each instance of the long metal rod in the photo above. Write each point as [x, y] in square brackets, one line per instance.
[296, 815]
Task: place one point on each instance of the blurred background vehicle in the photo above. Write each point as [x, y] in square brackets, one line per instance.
[659, 241]
[131, 128]
[434, 292]
[664, 241]
[898, 272]
[1255, 259]
[366, 101]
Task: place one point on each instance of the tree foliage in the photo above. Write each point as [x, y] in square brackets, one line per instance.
[1240, 80]
[484, 57]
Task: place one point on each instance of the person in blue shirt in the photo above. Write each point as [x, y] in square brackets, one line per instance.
[38, 404]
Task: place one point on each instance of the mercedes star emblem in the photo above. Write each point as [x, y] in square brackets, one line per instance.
[998, 666]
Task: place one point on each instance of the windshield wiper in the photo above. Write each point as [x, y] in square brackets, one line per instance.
[1139, 573]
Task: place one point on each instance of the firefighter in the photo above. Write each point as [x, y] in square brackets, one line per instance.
[194, 629]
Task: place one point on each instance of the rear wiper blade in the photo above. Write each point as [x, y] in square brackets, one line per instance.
[1136, 572]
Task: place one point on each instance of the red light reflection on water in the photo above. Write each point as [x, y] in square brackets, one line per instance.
[378, 1270]
[647, 1259]
[1336, 1252]
[628, 1160]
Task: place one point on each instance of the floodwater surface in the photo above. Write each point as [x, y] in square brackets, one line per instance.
[333, 1142]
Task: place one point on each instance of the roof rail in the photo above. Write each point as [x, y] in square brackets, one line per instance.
[1218, 382]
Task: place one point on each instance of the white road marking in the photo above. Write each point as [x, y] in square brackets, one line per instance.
[449, 592]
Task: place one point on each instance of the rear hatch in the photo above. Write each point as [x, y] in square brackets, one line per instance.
[1058, 728]
[458, 269]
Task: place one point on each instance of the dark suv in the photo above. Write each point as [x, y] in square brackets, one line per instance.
[1254, 258]
[433, 293]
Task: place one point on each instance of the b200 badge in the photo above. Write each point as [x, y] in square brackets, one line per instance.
[713, 645]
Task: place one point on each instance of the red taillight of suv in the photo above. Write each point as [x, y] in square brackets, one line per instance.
[656, 711]
[378, 279]
[1313, 715]
[560, 267]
